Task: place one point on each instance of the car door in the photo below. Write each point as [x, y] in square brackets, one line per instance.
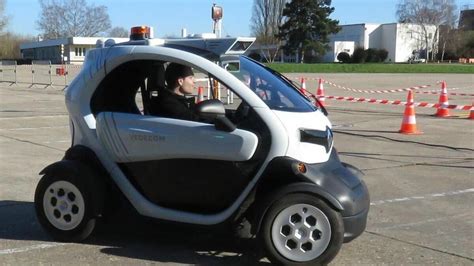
[179, 164]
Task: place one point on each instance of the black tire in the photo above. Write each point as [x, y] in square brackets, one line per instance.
[291, 248]
[72, 201]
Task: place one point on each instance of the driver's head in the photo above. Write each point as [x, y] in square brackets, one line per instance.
[179, 78]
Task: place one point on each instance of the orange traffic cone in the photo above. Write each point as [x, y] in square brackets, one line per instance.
[471, 115]
[303, 86]
[320, 92]
[200, 96]
[443, 111]
[409, 120]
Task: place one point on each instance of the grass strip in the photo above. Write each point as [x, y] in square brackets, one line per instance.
[372, 68]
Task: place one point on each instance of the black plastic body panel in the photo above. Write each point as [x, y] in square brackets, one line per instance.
[203, 186]
[354, 225]
[78, 153]
[82, 155]
[342, 183]
[60, 167]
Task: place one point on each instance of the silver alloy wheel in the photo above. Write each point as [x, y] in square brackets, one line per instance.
[63, 205]
[301, 232]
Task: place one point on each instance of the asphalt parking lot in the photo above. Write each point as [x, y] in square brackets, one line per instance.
[421, 186]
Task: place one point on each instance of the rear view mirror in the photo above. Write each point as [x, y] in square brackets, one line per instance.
[232, 66]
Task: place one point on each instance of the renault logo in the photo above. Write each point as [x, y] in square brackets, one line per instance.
[323, 138]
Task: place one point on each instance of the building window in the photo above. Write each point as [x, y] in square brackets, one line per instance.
[80, 51]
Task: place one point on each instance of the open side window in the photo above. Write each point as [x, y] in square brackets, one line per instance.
[129, 88]
[134, 86]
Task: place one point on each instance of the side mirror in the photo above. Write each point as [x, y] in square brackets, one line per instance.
[210, 109]
[214, 110]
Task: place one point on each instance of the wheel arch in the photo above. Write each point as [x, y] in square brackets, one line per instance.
[60, 167]
[76, 154]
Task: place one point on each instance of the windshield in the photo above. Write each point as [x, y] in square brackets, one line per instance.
[274, 89]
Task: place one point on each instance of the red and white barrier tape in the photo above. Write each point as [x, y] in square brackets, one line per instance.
[401, 90]
[378, 91]
[299, 79]
[371, 91]
[398, 102]
[437, 90]
[450, 93]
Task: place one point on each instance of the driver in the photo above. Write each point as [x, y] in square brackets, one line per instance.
[172, 101]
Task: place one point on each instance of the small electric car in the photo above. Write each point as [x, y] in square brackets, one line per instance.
[267, 159]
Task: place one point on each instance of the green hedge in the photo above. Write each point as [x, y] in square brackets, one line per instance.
[372, 68]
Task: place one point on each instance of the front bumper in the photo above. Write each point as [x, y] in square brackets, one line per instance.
[343, 182]
[354, 226]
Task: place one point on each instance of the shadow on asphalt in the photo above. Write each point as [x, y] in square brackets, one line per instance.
[127, 234]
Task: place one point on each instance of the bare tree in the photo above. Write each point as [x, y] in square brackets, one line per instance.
[426, 13]
[267, 16]
[70, 18]
[118, 32]
[3, 17]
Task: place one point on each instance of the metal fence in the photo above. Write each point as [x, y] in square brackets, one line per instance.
[41, 73]
[38, 74]
[8, 71]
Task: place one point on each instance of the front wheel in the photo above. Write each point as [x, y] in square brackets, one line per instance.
[301, 229]
[67, 204]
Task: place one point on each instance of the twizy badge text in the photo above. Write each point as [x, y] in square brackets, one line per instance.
[147, 138]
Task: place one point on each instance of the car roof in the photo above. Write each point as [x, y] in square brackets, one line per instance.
[210, 48]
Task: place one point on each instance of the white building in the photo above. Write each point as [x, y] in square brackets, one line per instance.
[400, 40]
[75, 49]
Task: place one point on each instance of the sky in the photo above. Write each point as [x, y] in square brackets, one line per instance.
[168, 17]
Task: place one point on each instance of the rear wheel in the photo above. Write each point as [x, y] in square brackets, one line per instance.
[301, 229]
[67, 205]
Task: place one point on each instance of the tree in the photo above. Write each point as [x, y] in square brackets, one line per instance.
[425, 13]
[71, 18]
[359, 56]
[118, 32]
[307, 26]
[466, 48]
[372, 55]
[382, 54]
[3, 17]
[267, 17]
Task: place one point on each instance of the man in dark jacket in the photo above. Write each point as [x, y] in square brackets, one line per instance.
[172, 102]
